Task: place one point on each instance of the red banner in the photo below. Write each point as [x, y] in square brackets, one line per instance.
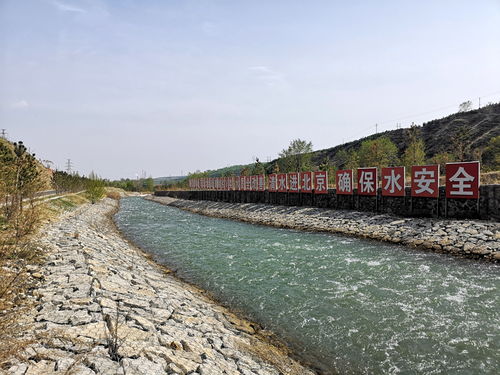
[273, 182]
[345, 181]
[261, 183]
[306, 182]
[425, 181]
[367, 181]
[282, 183]
[393, 182]
[248, 180]
[321, 182]
[254, 183]
[462, 180]
[293, 182]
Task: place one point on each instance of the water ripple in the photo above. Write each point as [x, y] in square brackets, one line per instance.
[347, 305]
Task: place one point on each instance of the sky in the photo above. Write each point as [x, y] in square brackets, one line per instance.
[162, 88]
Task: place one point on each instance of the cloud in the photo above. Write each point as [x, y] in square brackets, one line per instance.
[20, 104]
[63, 7]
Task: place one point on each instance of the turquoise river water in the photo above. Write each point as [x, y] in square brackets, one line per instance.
[345, 305]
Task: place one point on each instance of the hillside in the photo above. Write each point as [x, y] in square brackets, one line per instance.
[477, 127]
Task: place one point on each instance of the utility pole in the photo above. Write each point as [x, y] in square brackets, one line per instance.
[479, 102]
[69, 166]
[4, 133]
[376, 128]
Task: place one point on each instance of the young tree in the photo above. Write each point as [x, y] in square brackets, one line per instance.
[95, 188]
[415, 151]
[21, 178]
[347, 159]
[328, 166]
[258, 168]
[380, 152]
[297, 157]
[461, 144]
[491, 154]
[442, 158]
[465, 106]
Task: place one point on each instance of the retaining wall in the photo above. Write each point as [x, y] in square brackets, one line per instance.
[487, 207]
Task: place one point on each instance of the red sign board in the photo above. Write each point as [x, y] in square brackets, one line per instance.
[393, 182]
[293, 182]
[367, 181]
[425, 181]
[254, 183]
[321, 182]
[344, 181]
[273, 182]
[305, 182]
[243, 183]
[462, 180]
[282, 183]
[261, 183]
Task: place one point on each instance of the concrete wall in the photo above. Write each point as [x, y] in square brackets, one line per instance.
[487, 208]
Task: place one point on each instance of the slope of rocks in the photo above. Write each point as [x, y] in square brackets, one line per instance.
[102, 307]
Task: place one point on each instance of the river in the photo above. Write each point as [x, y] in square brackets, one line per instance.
[345, 305]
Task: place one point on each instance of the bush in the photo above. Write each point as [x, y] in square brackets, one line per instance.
[95, 188]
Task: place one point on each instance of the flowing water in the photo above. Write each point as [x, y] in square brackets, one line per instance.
[346, 305]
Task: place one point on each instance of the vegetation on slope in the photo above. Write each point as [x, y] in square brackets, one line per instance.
[466, 135]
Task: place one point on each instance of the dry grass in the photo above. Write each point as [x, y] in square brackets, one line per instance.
[490, 178]
[17, 254]
[113, 195]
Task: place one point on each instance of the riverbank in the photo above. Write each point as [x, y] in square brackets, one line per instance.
[463, 238]
[101, 306]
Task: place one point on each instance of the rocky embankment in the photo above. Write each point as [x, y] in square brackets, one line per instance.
[102, 307]
[472, 239]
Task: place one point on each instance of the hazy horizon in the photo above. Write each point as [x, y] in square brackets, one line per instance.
[172, 87]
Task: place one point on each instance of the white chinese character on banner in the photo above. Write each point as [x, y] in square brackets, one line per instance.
[320, 182]
[282, 183]
[294, 182]
[423, 182]
[261, 182]
[345, 181]
[306, 182]
[461, 176]
[392, 182]
[366, 181]
[272, 182]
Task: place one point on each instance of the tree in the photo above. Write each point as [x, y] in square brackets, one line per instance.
[328, 166]
[461, 145]
[465, 106]
[21, 177]
[297, 157]
[258, 168]
[442, 158]
[347, 159]
[415, 151]
[380, 152]
[95, 188]
[491, 154]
